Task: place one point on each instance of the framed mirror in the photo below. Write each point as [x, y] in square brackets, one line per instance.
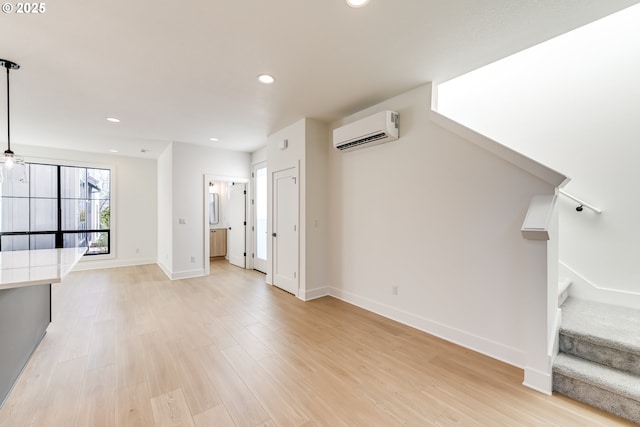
[213, 208]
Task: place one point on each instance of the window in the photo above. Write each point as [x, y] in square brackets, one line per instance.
[60, 207]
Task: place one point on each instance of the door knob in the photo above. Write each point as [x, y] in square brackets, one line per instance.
[273, 234]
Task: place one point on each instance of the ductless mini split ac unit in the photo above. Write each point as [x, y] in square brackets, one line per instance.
[373, 130]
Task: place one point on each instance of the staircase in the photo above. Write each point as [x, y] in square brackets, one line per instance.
[599, 360]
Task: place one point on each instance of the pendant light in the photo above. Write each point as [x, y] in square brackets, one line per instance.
[9, 161]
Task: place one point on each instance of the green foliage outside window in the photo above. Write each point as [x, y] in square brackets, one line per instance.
[105, 220]
[105, 217]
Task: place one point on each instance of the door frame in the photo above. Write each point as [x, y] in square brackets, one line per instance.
[271, 208]
[205, 224]
[242, 186]
[254, 215]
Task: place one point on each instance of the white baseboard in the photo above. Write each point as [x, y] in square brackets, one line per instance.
[539, 381]
[165, 269]
[563, 290]
[582, 288]
[476, 343]
[111, 263]
[554, 339]
[186, 274]
[315, 293]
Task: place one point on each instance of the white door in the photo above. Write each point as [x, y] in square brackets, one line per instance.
[285, 230]
[260, 217]
[236, 236]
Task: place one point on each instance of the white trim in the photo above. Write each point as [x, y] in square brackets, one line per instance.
[270, 214]
[539, 381]
[476, 343]
[181, 274]
[187, 274]
[239, 260]
[554, 339]
[563, 290]
[63, 162]
[164, 268]
[539, 217]
[315, 293]
[535, 168]
[583, 288]
[252, 207]
[206, 268]
[100, 257]
[96, 265]
[113, 204]
[206, 256]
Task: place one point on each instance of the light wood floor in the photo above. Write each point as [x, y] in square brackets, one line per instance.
[127, 347]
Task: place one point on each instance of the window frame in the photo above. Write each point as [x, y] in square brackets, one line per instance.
[59, 233]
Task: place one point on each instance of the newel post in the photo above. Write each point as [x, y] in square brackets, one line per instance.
[540, 229]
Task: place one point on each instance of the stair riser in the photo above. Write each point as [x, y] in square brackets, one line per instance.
[620, 406]
[612, 357]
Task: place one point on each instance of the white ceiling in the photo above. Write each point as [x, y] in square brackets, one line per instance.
[186, 71]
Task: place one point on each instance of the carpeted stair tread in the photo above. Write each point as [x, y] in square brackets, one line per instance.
[604, 377]
[602, 324]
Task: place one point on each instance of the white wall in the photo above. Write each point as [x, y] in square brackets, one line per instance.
[259, 156]
[165, 209]
[190, 164]
[572, 103]
[315, 211]
[135, 200]
[278, 159]
[440, 218]
[307, 145]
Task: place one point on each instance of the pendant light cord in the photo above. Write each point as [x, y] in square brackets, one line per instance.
[8, 115]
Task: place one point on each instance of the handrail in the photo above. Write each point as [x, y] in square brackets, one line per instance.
[582, 203]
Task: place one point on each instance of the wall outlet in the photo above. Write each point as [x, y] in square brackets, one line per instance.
[193, 259]
[394, 290]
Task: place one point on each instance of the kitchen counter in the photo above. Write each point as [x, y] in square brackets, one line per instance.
[37, 267]
[25, 304]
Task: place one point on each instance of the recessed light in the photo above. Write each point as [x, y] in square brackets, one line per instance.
[113, 120]
[357, 3]
[113, 151]
[266, 79]
[214, 139]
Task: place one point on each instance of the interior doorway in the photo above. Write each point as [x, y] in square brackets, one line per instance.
[259, 227]
[220, 215]
[284, 227]
[237, 232]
